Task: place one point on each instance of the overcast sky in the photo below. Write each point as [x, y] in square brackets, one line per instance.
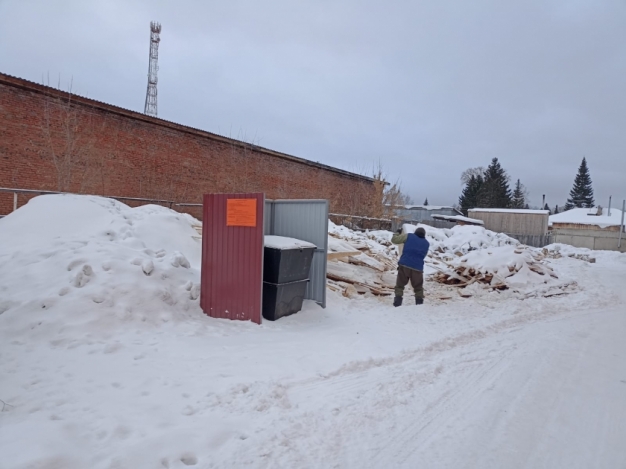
[429, 88]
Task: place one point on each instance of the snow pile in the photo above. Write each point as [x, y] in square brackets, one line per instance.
[376, 241]
[464, 255]
[283, 243]
[462, 239]
[460, 256]
[98, 261]
[499, 267]
[360, 263]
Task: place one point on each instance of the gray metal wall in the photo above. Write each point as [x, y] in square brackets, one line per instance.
[420, 215]
[306, 220]
[536, 241]
[591, 239]
[509, 222]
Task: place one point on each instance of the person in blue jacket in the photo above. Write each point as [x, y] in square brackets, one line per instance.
[411, 264]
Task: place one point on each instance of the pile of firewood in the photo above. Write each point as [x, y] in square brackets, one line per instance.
[354, 268]
[461, 270]
[555, 254]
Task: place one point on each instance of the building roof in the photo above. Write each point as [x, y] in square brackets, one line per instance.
[427, 207]
[16, 82]
[587, 216]
[511, 210]
[459, 218]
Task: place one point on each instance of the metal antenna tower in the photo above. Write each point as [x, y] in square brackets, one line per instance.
[151, 93]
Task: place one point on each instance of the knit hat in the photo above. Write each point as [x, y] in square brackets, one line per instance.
[421, 232]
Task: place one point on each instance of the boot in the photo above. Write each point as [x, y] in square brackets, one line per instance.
[419, 301]
[397, 301]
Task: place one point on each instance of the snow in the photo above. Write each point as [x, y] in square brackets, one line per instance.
[587, 216]
[283, 243]
[428, 207]
[510, 210]
[462, 238]
[487, 252]
[377, 241]
[459, 218]
[105, 366]
[336, 245]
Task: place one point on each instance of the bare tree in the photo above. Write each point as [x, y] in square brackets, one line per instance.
[69, 140]
[469, 172]
[389, 196]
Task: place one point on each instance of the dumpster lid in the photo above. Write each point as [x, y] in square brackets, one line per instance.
[283, 243]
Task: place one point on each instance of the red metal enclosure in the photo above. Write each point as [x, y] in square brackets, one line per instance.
[232, 256]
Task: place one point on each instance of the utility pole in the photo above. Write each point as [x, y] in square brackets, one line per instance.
[153, 67]
[621, 225]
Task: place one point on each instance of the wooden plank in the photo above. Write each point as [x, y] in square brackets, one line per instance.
[342, 255]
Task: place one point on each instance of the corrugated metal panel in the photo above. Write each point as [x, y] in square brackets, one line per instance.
[232, 261]
[513, 222]
[307, 220]
[267, 217]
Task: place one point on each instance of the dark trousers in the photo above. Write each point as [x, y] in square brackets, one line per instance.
[415, 276]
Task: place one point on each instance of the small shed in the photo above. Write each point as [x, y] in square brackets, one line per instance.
[591, 228]
[596, 218]
[513, 221]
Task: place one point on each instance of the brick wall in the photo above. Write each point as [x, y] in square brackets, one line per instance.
[52, 141]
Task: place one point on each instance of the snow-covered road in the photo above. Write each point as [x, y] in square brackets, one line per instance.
[539, 386]
[542, 392]
[547, 394]
[122, 370]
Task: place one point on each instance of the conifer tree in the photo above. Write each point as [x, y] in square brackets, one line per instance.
[519, 195]
[556, 209]
[545, 207]
[581, 194]
[426, 202]
[495, 192]
[471, 193]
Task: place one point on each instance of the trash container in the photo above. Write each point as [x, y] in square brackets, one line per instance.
[286, 267]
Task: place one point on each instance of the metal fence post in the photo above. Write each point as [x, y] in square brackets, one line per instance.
[621, 226]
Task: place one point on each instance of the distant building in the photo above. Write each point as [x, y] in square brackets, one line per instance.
[513, 221]
[424, 213]
[459, 220]
[591, 228]
[596, 218]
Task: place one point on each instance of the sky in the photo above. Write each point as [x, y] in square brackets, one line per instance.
[426, 88]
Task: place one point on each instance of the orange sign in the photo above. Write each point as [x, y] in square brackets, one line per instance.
[241, 212]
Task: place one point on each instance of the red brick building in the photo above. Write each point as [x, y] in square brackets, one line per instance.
[51, 140]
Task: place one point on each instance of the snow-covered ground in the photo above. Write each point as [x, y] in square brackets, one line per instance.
[106, 361]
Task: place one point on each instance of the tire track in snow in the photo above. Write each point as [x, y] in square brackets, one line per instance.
[315, 418]
[361, 394]
[439, 411]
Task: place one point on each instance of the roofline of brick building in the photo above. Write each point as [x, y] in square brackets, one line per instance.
[16, 82]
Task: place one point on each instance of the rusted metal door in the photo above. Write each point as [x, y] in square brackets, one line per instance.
[232, 256]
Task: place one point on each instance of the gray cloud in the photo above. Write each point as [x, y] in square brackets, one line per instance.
[429, 88]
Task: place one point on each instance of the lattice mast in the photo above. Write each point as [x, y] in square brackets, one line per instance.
[153, 67]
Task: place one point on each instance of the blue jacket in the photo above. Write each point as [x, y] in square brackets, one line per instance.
[414, 251]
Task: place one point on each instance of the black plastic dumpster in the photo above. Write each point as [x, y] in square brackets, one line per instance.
[282, 299]
[286, 267]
